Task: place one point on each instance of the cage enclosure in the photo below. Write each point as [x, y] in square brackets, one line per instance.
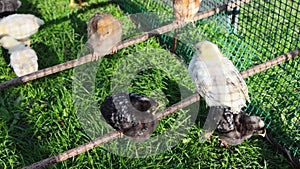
[248, 33]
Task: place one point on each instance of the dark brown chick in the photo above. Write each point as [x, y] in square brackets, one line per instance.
[8, 7]
[131, 113]
[245, 127]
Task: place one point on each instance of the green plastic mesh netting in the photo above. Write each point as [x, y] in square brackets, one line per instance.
[250, 34]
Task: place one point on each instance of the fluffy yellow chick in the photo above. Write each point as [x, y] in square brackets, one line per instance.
[22, 58]
[104, 33]
[80, 3]
[20, 26]
[216, 78]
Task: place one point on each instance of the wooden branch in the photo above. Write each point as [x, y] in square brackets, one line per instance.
[75, 151]
[182, 104]
[126, 43]
[273, 62]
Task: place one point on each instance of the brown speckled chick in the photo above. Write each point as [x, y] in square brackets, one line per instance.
[8, 7]
[104, 33]
[245, 127]
[184, 10]
[131, 113]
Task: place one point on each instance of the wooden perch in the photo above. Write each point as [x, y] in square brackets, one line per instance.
[126, 43]
[270, 63]
[75, 151]
[183, 103]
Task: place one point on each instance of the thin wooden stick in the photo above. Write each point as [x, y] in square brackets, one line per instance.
[183, 103]
[75, 151]
[126, 43]
[268, 64]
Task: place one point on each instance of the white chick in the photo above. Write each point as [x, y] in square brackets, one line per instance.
[216, 78]
[22, 58]
[20, 26]
[219, 82]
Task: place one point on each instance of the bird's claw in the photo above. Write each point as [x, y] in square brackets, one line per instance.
[223, 143]
[95, 56]
[114, 50]
[206, 136]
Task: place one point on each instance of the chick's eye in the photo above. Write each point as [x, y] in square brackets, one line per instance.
[198, 50]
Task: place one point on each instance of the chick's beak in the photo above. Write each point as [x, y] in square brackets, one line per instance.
[159, 104]
[264, 133]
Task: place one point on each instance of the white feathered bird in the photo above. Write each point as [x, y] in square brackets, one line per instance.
[23, 59]
[20, 26]
[216, 78]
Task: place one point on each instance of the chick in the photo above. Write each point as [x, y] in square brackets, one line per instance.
[184, 10]
[22, 58]
[104, 33]
[245, 127]
[80, 3]
[8, 7]
[20, 26]
[217, 80]
[131, 113]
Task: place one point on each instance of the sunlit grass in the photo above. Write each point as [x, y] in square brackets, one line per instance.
[40, 119]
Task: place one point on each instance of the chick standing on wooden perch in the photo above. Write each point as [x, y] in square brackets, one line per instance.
[104, 33]
[20, 26]
[245, 127]
[184, 10]
[219, 82]
[22, 58]
[131, 113]
[8, 7]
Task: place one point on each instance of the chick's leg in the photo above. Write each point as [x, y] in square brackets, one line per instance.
[223, 143]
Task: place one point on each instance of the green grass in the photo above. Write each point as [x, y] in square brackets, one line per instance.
[48, 116]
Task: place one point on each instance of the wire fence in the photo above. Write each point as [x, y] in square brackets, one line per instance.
[266, 64]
